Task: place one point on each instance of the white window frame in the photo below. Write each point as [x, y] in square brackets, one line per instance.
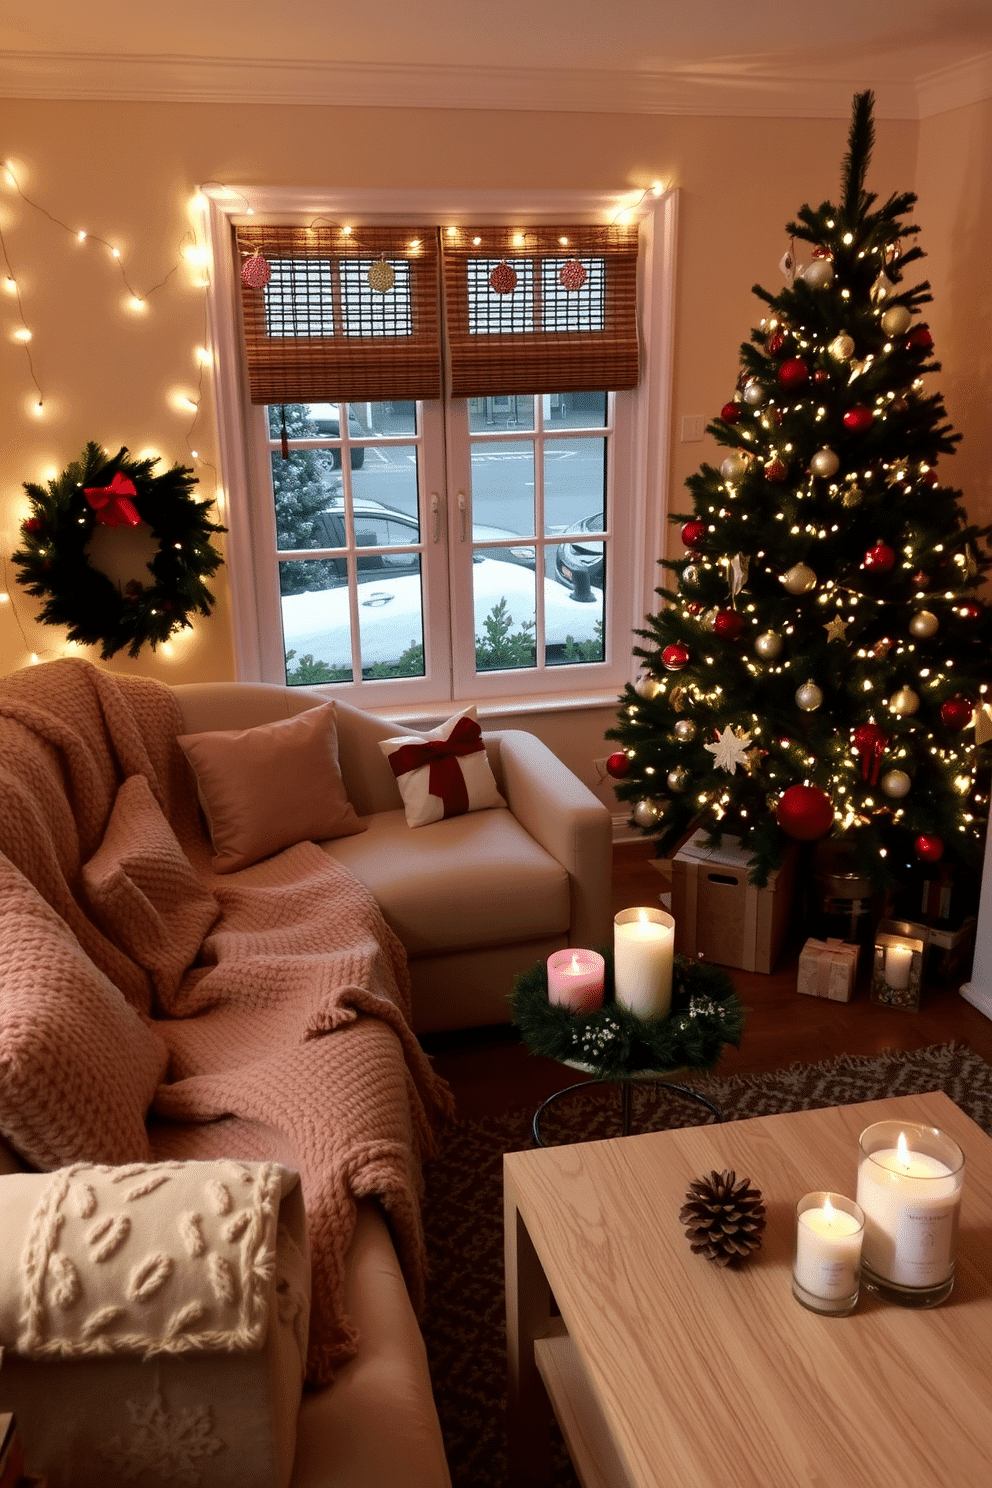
[645, 449]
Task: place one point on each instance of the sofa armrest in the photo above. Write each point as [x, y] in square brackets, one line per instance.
[564, 816]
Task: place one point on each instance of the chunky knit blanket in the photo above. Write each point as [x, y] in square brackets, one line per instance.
[289, 1038]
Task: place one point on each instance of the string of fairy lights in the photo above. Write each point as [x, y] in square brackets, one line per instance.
[195, 254]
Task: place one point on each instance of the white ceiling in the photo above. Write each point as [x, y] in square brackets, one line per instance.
[726, 56]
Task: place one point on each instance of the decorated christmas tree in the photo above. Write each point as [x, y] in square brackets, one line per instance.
[815, 671]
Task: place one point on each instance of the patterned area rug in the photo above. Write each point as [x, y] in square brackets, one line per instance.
[464, 1319]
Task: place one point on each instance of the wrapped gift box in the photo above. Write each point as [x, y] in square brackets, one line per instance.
[828, 968]
[722, 917]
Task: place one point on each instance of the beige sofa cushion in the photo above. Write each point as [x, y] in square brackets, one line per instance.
[491, 883]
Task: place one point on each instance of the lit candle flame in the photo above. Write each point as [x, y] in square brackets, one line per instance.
[576, 966]
[828, 1210]
[902, 1150]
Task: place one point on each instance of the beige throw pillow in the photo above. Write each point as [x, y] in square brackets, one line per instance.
[444, 772]
[143, 889]
[265, 788]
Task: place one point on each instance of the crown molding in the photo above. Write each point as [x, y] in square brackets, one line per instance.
[185, 80]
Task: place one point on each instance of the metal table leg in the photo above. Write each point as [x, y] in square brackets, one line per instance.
[685, 1091]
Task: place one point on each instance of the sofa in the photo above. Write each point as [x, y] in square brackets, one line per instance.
[164, 1024]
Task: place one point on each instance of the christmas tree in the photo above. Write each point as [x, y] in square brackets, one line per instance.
[815, 673]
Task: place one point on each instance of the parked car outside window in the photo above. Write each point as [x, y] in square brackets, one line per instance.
[379, 526]
[328, 425]
[579, 563]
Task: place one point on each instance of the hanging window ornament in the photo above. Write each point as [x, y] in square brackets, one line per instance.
[284, 434]
[381, 276]
[503, 279]
[256, 271]
[571, 275]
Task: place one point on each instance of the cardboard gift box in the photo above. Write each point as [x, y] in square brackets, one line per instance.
[722, 917]
[828, 968]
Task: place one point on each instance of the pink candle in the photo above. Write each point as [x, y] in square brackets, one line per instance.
[575, 980]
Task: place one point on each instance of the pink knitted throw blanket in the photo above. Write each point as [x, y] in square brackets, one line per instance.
[290, 1038]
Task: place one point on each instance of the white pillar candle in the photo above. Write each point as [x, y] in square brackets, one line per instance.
[575, 980]
[827, 1264]
[911, 1200]
[643, 953]
[898, 963]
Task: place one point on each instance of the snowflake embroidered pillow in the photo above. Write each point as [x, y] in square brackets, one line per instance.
[442, 773]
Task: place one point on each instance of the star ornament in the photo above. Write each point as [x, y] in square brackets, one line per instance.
[836, 630]
[730, 750]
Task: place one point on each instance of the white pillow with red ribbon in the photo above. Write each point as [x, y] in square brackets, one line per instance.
[444, 772]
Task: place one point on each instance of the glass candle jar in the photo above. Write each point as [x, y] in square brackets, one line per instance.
[826, 1265]
[909, 1186]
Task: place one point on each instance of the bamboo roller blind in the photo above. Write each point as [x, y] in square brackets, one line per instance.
[318, 331]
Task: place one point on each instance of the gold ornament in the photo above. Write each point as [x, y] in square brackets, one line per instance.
[686, 730]
[647, 686]
[799, 579]
[381, 277]
[924, 624]
[896, 320]
[904, 702]
[836, 629]
[841, 347]
[896, 783]
[809, 697]
[769, 645]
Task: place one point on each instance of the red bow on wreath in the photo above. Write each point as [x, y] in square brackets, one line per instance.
[112, 503]
[446, 779]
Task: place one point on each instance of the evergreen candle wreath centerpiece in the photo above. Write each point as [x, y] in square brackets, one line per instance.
[706, 1014]
[103, 491]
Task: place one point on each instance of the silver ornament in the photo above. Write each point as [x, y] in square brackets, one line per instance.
[904, 702]
[882, 289]
[678, 778]
[841, 347]
[896, 320]
[924, 624]
[734, 466]
[824, 463]
[769, 645]
[647, 686]
[896, 783]
[690, 575]
[809, 697]
[647, 813]
[818, 274]
[686, 730]
[708, 619]
[799, 579]
[754, 393]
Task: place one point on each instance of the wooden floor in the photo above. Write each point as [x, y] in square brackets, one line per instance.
[491, 1072]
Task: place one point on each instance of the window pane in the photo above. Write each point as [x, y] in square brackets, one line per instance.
[503, 487]
[316, 627]
[391, 627]
[500, 296]
[508, 411]
[505, 616]
[574, 482]
[574, 410]
[574, 615]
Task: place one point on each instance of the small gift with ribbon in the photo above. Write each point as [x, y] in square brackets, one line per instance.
[113, 504]
[444, 772]
[828, 968]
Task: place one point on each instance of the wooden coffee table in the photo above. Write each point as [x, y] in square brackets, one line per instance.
[664, 1369]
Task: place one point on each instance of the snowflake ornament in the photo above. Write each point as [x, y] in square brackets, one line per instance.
[730, 750]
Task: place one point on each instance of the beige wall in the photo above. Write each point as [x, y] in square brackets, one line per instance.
[127, 172]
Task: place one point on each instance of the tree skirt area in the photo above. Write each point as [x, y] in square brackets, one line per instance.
[463, 1322]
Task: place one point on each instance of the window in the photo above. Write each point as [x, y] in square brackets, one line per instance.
[441, 537]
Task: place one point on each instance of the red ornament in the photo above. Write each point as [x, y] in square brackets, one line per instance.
[692, 532]
[969, 610]
[694, 608]
[859, 418]
[869, 741]
[728, 624]
[675, 657]
[255, 272]
[880, 558]
[920, 338]
[731, 413]
[775, 343]
[572, 274]
[928, 849]
[33, 524]
[921, 580]
[793, 373]
[776, 471]
[503, 279]
[930, 478]
[821, 375]
[618, 765]
[956, 713]
[805, 813]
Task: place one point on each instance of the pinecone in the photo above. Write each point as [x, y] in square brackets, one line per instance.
[723, 1218]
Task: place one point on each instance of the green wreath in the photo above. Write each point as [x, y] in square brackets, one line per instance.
[706, 1014]
[55, 565]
